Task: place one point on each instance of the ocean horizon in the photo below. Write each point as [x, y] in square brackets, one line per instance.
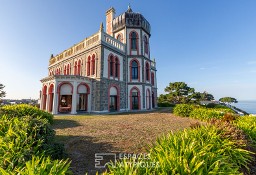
[248, 106]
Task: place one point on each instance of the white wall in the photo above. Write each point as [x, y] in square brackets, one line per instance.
[128, 42]
[105, 71]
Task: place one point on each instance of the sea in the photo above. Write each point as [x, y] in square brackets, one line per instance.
[248, 106]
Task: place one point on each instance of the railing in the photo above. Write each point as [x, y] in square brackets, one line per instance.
[88, 42]
[113, 42]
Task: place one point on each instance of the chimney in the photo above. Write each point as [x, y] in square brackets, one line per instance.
[110, 15]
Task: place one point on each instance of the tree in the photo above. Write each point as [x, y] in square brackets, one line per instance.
[205, 96]
[2, 92]
[228, 100]
[179, 92]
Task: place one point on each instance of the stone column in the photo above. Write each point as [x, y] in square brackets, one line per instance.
[74, 95]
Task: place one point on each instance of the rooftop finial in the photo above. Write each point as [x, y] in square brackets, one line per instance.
[129, 8]
[101, 27]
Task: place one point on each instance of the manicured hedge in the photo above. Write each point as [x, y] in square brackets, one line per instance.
[22, 110]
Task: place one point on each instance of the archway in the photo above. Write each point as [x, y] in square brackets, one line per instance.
[51, 95]
[65, 90]
[82, 101]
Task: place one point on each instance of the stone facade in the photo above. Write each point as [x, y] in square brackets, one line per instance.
[108, 71]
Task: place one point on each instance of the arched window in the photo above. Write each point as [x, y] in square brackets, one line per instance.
[133, 37]
[65, 70]
[93, 64]
[119, 37]
[134, 70]
[114, 98]
[117, 67]
[111, 66]
[79, 68]
[152, 78]
[75, 68]
[88, 65]
[147, 72]
[68, 69]
[146, 44]
[134, 98]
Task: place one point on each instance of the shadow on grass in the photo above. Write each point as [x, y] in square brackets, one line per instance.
[81, 150]
[64, 123]
[158, 110]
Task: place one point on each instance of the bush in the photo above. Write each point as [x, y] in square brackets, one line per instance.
[183, 110]
[248, 125]
[195, 151]
[165, 104]
[41, 165]
[22, 110]
[206, 114]
[22, 138]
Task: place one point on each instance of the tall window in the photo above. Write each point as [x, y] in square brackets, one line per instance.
[146, 44]
[93, 64]
[111, 66]
[134, 69]
[135, 99]
[147, 72]
[88, 66]
[133, 41]
[68, 71]
[119, 37]
[65, 70]
[79, 68]
[116, 67]
[152, 79]
[75, 68]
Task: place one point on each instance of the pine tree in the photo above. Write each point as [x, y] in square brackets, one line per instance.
[2, 92]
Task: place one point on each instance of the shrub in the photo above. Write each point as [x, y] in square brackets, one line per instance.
[248, 125]
[183, 110]
[22, 110]
[21, 138]
[165, 104]
[195, 151]
[206, 114]
[41, 165]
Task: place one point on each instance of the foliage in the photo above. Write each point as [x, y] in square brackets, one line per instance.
[179, 92]
[228, 100]
[205, 96]
[248, 125]
[165, 104]
[2, 92]
[22, 110]
[22, 138]
[207, 114]
[195, 151]
[200, 112]
[40, 166]
[183, 110]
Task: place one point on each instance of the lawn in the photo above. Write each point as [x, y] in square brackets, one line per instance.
[85, 135]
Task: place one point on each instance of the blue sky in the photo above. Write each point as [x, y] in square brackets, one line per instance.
[210, 45]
